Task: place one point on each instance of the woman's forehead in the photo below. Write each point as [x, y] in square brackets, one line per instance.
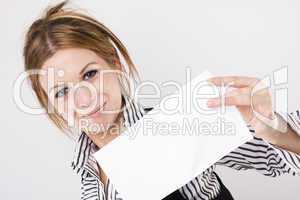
[66, 64]
[71, 58]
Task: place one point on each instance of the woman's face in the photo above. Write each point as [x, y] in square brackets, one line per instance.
[83, 88]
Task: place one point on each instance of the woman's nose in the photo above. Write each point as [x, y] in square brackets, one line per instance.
[83, 98]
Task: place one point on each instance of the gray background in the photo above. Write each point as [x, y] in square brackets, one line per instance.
[226, 37]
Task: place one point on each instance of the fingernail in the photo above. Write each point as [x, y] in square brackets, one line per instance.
[211, 103]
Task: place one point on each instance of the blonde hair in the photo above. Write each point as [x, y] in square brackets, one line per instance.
[61, 28]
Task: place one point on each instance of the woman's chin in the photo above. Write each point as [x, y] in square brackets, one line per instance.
[97, 124]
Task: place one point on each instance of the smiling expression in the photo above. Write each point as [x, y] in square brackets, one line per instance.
[84, 86]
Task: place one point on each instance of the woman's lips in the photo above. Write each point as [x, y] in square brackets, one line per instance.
[97, 111]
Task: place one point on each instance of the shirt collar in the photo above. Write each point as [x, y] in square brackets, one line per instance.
[85, 148]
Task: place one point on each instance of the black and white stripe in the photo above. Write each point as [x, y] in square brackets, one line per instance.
[255, 154]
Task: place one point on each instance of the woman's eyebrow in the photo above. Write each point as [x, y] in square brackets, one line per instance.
[83, 69]
[81, 72]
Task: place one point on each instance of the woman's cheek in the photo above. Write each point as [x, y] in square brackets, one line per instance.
[69, 112]
[97, 82]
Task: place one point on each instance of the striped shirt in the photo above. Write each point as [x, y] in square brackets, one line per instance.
[255, 154]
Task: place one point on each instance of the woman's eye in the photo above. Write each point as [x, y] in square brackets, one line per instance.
[61, 92]
[89, 74]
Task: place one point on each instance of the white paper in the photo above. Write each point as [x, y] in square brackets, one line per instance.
[145, 164]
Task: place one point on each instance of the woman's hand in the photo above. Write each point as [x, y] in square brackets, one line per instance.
[255, 106]
[247, 102]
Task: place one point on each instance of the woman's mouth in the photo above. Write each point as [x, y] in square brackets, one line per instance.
[96, 112]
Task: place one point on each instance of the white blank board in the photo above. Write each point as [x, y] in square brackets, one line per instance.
[159, 153]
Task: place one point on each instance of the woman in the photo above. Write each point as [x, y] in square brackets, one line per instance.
[77, 48]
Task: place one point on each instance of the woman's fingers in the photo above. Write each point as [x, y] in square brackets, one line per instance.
[236, 97]
[233, 81]
[241, 100]
[238, 91]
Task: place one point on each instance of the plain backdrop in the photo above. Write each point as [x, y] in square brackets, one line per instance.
[251, 38]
